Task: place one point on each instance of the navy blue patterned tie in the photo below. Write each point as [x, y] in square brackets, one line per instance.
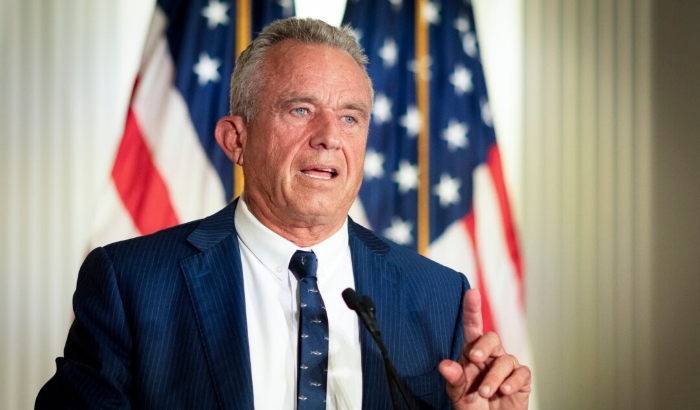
[312, 349]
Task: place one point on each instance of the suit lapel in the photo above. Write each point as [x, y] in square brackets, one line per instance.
[215, 283]
[380, 281]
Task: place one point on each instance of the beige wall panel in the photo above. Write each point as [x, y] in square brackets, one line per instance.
[584, 201]
[65, 76]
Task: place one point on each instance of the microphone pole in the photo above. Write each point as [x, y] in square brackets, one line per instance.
[365, 309]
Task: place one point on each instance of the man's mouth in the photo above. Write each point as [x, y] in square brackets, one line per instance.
[320, 173]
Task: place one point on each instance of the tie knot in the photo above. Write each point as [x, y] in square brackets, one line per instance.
[303, 264]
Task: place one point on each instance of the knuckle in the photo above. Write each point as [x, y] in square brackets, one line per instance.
[493, 337]
[525, 371]
[504, 359]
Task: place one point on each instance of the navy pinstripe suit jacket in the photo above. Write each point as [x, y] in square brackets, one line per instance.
[160, 322]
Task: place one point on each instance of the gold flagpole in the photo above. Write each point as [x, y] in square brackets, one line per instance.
[423, 101]
[243, 30]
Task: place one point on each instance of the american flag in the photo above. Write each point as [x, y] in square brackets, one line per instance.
[168, 168]
[464, 214]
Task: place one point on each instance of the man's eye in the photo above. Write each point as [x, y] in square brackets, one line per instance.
[301, 111]
[349, 120]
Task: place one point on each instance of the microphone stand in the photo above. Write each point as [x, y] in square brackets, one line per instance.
[365, 309]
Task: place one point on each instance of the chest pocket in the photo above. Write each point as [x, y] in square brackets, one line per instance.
[428, 389]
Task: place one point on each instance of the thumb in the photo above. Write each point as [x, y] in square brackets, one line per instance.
[454, 376]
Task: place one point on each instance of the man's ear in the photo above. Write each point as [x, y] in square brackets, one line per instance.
[231, 134]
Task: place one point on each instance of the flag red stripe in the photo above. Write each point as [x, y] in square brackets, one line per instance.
[139, 184]
[496, 170]
[489, 325]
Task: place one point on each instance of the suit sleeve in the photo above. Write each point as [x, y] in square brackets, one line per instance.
[95, 370]
[458, 340]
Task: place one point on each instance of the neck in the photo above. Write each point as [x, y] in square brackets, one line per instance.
[302, 230]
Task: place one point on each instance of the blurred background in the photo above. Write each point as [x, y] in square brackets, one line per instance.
[596, 106]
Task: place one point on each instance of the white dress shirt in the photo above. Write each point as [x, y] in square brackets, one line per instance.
[272, 304]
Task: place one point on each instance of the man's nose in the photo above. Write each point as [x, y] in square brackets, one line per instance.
[326, 133]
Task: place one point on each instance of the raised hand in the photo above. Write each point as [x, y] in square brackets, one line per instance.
[486, 377]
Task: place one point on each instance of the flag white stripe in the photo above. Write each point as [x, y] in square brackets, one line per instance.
[499, 271]
[112, 221]
[167, 129]
[454, 249]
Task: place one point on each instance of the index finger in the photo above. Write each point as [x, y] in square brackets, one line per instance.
[472, 320]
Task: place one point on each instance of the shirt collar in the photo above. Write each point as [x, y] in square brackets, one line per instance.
[275, 252]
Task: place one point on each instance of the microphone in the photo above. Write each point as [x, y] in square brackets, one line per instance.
[365, 309]
[351, 298]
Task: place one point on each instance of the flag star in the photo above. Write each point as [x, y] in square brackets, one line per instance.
[287, 7]
[431, 12]
[207, 69]
[461, 79]
[374, 164]
[357, 34]
[486, 113]
[456, 135]
[381, 111]
[389, 53]
[215, 13]
[396, 3]
[413, 66]
[462, 25]
[406, 176]
[447, 190]
[411, 121]
[469, 44]
[399, 231]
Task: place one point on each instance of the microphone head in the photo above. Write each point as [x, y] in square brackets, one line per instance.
[369, 303]
[351, 298]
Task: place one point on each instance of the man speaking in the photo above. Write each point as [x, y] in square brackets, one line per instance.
[243, 309]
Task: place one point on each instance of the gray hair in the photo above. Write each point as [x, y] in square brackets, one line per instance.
[248, 77]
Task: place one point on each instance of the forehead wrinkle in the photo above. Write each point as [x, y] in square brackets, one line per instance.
[294, 99]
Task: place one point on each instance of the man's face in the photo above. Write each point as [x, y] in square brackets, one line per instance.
[303, 154]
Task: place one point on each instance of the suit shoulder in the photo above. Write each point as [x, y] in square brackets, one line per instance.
[160, 253]
[417, 266]
[154, 242]
[406, 260]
